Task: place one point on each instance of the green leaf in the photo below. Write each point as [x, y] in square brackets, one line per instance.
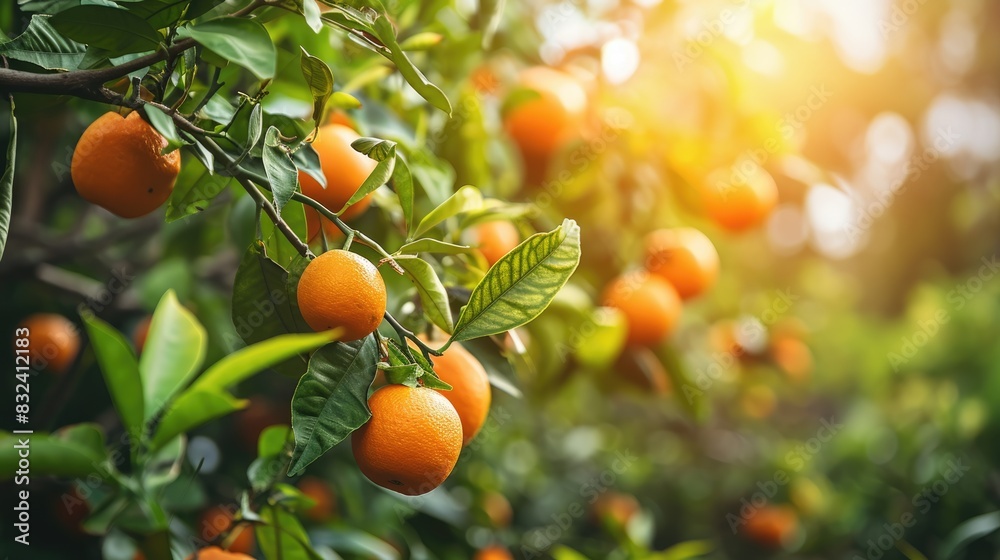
[112, 29]
[967, 532]
[43, 46]
[164, 466]
[164, 124]
[433, 296]
[241, 364]
[281, 172]
[685, 551]
[278, 246]
[158, 13]
[255, 127]
[521, 284]
[74, 451]
[406, 374]
[310, 11]
[242, 41]
[402, 182]
[331, 400]
[196, 188]
[174, 351]
[342, 100]
[382, 151]
[465, 199]
[7, 181]
[319, 78]
[120, 370]
[282, 537]
[192, 409]
[272, 440]
[421, 41]
[412, 75]
[428, 245]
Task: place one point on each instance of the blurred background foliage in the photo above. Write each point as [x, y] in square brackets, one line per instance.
[849, 348]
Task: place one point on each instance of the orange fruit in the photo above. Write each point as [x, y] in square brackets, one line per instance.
[685, 257]
[497, 509]
[740, 200]
[342, 289]
[412, 441]
[493, 553]
[117, 165]
[793, 357]
[319, 492]
[343, 119]
[53, 341]
[616, 507]
[772, 526]
[141, 332]
[345, 170]
[496, 239]
[470, 388]
[216, 553]
[650, 304]
[216, 524]
[542, 125]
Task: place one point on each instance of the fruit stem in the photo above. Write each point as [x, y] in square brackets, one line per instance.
[405, 333]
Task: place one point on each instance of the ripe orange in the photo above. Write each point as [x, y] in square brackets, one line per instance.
[793, 357]
[141, 332]
[542, 125]
[412, 441]
[616, 507]
[470, 388]
[343, 119]
[493, 553]
[53, 341]
[345, 170]
[216, 553]
[650, 304]
[117, 165]
[319, 492]
[342, 289]
[685, 257]
[740, 200]
[497, 509]
[772, 526]
[216, 524]
[496, 239]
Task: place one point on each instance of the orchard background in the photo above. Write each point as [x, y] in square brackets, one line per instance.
[825, 387]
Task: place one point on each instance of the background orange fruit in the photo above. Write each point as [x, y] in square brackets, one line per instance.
[542, 125]
[53, 341]
[496, 239]
[320, 492]
[650, 304]
[617, 507]
[216, 553]
[772, 526]
[470, 393]
[412, 441]
[117, 165]
[217, 525]
[342, 289]
[685, 257]
[740, 200]
[345, 170]
[493, 553]
[793, 357]
[497, 508]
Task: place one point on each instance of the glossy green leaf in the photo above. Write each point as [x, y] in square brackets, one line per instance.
[319, 78]
[7, 181]
[192, 409]
[242, 41]
[255, 127]
[384, 152]
[412, 75]
[165, 465]
[112, 29]
[173, 354]
[421, 41]
[272, 440]
[433, 296]
[967, 532]
[428, 245]
[74, 451]
[406, 374]
[282, 537]
[331, 400]
[120, 369]
[41, 45]
[164, 124]
[158, 13]
[465, 199]
[312, 15]
[521, 284]
[278, 246]
[402, 183]
[281, 172]
[243, 363]
[196, 188]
